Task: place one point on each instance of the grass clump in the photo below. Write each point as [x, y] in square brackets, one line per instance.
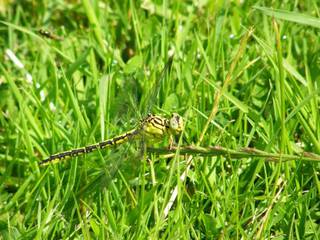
[244, 76]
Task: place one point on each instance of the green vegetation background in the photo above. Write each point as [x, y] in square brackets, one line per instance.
[96, 83]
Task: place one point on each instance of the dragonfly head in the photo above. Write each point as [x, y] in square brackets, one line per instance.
[176, 123]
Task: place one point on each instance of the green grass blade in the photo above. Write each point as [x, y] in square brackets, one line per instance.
[291, 16]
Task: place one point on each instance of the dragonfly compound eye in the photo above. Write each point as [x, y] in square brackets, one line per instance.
[176, 122]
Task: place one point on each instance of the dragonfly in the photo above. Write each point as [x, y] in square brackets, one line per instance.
[152, 128]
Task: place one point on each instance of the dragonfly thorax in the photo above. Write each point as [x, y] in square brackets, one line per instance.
[156, 127]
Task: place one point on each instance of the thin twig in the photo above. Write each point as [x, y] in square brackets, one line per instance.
[238, 154]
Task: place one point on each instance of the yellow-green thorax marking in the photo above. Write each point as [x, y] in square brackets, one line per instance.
[153, 127]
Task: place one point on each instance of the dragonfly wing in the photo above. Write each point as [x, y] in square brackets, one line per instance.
[153, 94]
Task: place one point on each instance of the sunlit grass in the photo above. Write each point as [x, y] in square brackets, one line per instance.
[245, 78]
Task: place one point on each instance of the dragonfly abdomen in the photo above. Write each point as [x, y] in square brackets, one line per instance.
[90, 148]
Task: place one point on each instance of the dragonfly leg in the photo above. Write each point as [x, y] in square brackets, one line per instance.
[171, 142]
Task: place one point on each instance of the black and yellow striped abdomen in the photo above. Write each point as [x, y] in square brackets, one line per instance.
[90, 148]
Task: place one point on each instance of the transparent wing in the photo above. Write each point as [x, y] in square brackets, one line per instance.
[153, 94]
[149, 102]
